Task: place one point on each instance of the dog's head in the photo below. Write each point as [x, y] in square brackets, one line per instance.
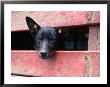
[45, 38]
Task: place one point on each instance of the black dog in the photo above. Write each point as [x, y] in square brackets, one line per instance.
[45, 38]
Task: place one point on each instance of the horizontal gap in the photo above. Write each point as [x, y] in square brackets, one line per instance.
[71, 38]
[24, 75]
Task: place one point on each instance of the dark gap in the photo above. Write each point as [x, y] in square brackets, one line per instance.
[72, 38]
[21, 41]
[14, 74]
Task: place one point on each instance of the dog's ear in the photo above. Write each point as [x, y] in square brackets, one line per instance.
[33, 26]
[58, 30]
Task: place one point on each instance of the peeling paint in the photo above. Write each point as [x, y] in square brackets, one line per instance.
[89, 16]
[87, 66]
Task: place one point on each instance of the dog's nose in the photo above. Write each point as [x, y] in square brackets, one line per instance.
[43, 54]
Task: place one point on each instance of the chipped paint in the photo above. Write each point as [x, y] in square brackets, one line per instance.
[89, 16]
[88, 68]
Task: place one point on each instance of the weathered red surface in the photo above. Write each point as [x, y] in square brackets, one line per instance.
[62, 64]
[95, 64]
[52, 19]
[94, 38]
[96, 17]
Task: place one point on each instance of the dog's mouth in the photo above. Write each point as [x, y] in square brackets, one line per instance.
[45, 55]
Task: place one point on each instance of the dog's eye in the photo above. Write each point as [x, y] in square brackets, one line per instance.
[50, 38]
[40, 37]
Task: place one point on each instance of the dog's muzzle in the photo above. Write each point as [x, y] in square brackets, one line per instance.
[45, 55]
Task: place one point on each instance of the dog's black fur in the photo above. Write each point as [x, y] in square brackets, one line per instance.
[45, 38]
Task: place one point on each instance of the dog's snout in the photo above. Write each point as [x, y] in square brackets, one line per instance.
[43, 54]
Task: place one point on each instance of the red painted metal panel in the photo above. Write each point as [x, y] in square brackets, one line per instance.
[53, 18]
[71, 63]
